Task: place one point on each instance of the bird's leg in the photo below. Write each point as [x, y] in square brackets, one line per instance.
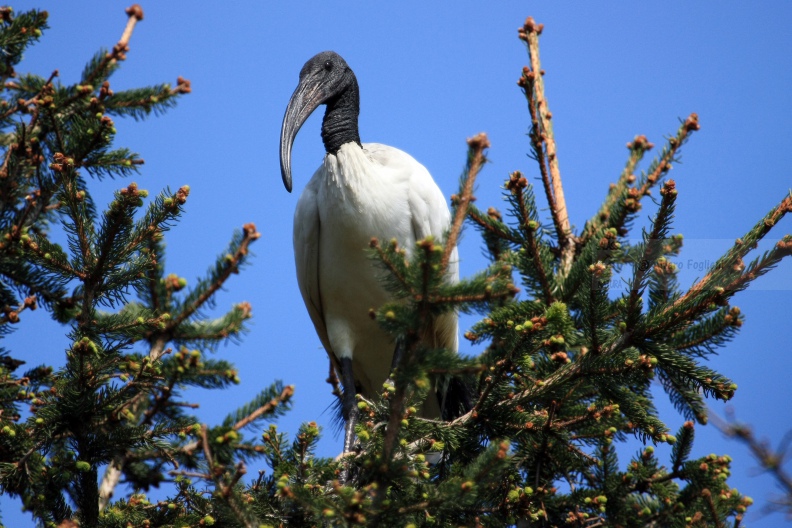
[349, 405]
[350, 411]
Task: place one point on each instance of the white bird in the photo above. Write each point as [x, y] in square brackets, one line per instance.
[361, 190]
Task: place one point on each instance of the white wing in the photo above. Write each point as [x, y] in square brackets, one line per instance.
[306, 257]
[429, 216]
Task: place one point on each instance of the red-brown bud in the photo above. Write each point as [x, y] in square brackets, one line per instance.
[135, 11]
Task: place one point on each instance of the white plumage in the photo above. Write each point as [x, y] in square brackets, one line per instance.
[360, 193]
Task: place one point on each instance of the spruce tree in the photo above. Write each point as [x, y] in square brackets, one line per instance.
[564, 377]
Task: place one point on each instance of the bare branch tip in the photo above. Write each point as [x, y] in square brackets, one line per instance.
[692, 123]
[530, 26]
[669, 188]
[640, 142]
[182, 194]
[479, 142]
[250, 231]
[182, 86]
[135, 11]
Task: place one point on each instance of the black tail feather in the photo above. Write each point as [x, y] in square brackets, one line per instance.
[457, 398]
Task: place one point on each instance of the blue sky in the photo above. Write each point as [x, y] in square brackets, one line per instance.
[432, 74]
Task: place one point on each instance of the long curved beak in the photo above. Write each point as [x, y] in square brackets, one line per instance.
[305, 99]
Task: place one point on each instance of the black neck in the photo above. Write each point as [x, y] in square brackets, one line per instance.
[340, 123]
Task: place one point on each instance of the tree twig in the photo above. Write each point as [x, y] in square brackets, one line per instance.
[530, 34]
[285, 395]
[770, 459]
[114, 470]
[477, 144]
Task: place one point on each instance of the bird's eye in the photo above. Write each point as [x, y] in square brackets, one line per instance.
[328, 65]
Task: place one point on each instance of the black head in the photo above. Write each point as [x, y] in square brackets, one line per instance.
[325, 79]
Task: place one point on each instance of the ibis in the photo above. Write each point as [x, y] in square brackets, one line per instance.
[360, 191]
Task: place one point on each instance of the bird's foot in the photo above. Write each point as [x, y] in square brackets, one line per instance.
[346, 459]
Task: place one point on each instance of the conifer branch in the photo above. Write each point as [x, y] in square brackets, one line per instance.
[46, 257]
[638, 147]
[527, 82]
[713, 511]
[491, 223]
[652, 249]
[285, 395]
[12, 315]
[118, 53]
[541, 115]
[115, 469]
[709, 333]
[334, 382]
[226, 490]
[727, 268]
[393, 258]
[476, 159]
[663, 164]
[525, 209]
[232, 266]
[769, 459]
[628, 201]
[597, 299]
[25, 104]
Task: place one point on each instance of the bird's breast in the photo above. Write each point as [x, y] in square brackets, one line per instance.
[358, 199]
[362, 198]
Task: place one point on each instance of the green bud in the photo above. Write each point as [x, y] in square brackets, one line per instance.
[82, 466]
